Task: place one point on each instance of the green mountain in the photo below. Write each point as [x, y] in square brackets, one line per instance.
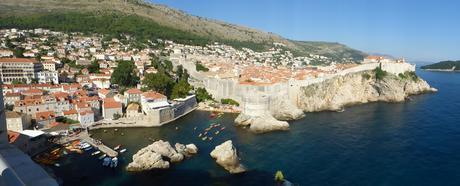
[146, 20]
[443, 65]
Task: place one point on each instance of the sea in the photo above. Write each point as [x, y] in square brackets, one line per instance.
[412, 143]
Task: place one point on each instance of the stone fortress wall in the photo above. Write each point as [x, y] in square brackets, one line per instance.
[258, 100]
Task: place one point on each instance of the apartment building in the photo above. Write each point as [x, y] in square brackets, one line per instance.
[19, 69]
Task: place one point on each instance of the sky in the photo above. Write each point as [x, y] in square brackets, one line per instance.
[419, 30]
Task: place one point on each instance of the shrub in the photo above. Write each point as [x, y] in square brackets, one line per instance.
[200, 67]
[229, 102]
[366, 76]
[379, 73]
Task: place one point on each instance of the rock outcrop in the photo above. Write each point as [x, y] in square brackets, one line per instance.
[356, 88]
[226, 156]
[331, 94]
[186, 150]
[261, 124]
[159, 154]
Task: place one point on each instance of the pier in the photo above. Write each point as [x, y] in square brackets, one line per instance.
[84, 136]
[103, 148]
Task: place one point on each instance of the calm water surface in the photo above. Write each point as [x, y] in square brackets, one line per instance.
[414, 143]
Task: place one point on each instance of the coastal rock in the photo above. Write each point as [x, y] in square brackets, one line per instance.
[356, 88]
[186, 150]
[284, 110]
[146, 159]
[166, 150]
[159, 154]
[261, 124]
[226, 156]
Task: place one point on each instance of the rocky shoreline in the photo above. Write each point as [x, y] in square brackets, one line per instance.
[335, 94]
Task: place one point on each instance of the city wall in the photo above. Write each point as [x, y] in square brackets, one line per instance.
[257, 100]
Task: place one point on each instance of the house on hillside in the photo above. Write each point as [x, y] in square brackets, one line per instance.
[110, 108]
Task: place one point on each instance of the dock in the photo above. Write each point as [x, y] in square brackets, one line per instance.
[103, 148]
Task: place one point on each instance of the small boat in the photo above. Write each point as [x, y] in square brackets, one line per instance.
[194, 128]
[102, 156]
[57, 165]
[117, 147]
[89, 148]
[84, 145]
[200, 135]
[177, 128]
[114, 162]
[204, 138]
[106, 161]
[217, 132]
[122, 150]
[341, 110]
[210, 138]
[95, 153]
[223, 128]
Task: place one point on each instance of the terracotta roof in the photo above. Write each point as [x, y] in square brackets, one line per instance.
[86, 112]
[134, 91]
[45, 115]
[11, 94]
[33, 91]
[70, 112]
[153, 95]
[104, 91]
[111, 103]
[18, 60]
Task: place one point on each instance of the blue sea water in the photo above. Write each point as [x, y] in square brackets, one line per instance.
[411, 143]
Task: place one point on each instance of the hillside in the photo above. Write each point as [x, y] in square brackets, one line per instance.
[157, 21]
[443, 65]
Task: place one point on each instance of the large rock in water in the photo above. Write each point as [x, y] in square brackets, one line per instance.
[158, 155]
[186, 150]
[145, 159]
[226, 156]
[261, 124]
[356, 88]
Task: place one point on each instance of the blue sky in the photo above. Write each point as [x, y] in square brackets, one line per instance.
[420, 30]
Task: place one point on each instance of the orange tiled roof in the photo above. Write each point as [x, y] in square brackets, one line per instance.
[134, 91]
[18, 60]
[153, 95]
[45, 115]
[111, 103]
[70, 112]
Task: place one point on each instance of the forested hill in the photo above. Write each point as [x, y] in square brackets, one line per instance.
[146, 20]
[443, 65]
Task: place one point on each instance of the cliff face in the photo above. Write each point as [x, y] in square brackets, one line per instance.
[334, 94]
[358, 88]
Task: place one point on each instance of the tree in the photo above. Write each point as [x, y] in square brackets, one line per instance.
[202, 95]
[200, 67]
[18, 82]
[181, 89]
[94, 67]
[159, 82]
[124, 74]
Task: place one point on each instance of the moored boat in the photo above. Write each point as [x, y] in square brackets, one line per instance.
[102, 156]
[95, 153]
[122, 150]
[117, 147]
